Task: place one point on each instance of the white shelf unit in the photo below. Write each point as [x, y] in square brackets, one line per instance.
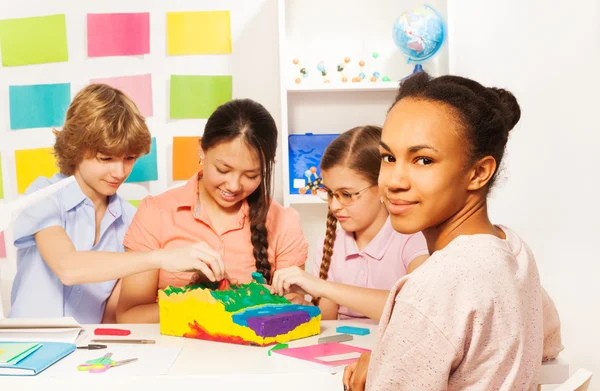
[349, 86]
[313, 31]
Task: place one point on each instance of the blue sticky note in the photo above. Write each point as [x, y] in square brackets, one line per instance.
[145, 168]
[353, 330]
[38, 105]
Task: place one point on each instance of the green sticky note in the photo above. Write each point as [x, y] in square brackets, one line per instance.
[135, 203]
[1, 182]
[279, 346]
[36, 40]
[198, 96]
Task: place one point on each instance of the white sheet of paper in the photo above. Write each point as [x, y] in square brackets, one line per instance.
[39, 323]
[151, 360]
[68, 335]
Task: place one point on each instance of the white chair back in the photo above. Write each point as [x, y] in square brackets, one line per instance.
[580, 381]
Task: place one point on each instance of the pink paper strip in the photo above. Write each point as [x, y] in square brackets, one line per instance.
[118, 34]
[138, 88]
[313, 352]
[2, 246]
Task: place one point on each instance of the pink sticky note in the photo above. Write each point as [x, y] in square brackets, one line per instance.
[2, 246]
[118, 34]
[138, 88]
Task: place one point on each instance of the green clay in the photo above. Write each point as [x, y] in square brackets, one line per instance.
[237, 298]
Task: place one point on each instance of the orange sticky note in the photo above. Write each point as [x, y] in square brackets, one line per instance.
[33, 163]
[186, 161]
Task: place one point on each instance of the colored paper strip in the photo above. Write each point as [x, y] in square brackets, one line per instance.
[37, 40]
[2, 246]
[33, 163]
[135, 203]
[38, 105]
[123, 34]
[204, 32]
[186, 161]
[138, 88]
[145, 168]
[198, 96]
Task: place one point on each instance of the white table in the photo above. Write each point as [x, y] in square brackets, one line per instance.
[205, 365]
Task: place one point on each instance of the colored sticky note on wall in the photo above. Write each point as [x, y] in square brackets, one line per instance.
[135, 203]
[123, 34]
[138, 88]
[38, 105]
[1, 181]
[145, 168]
[186, 161]
[198, 96]
[37, 40]
[33, 163]
[204, 32]
[2, 246]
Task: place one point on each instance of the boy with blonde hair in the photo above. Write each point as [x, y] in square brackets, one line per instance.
[70, 246]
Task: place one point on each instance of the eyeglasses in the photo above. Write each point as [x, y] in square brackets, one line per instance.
[345, 198]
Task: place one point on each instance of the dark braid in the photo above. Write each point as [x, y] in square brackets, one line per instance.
[258, 234]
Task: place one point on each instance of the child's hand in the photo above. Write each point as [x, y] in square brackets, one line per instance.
[198, 257]
[295, 280]
[355, 374]
[295, 298]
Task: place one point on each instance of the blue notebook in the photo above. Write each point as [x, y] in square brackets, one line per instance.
[44, 357]
[305, 152]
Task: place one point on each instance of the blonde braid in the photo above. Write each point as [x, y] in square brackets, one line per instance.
[327, 249]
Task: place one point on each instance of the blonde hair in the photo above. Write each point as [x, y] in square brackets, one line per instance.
[101, 119]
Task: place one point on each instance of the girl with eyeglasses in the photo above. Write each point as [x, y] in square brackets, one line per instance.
[365, 251]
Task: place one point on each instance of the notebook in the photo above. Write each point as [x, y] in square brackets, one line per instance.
[305, 152]
[12, 353]
[35, 330]
[42, 358]
[332, 357]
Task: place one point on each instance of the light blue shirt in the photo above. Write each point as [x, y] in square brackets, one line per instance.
[37, 292]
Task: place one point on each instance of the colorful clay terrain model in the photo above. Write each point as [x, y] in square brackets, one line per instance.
[243, 314]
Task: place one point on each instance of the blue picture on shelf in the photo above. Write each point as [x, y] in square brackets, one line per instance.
[305, 152]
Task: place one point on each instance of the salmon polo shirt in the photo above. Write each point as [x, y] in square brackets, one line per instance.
[176, 219]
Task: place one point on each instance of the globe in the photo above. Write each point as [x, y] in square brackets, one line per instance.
[419, 33]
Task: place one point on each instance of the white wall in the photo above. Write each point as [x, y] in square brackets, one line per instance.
[254, 64]
[547, 53]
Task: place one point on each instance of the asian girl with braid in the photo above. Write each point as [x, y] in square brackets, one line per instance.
[364, 251]
[227, 204]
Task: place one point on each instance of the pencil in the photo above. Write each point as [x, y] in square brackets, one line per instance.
[132, 341]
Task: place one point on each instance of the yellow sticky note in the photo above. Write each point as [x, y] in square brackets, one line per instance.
[33, 163]
[203, 32]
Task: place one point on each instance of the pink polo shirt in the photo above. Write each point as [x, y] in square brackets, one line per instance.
[378, 266]
[176, 219]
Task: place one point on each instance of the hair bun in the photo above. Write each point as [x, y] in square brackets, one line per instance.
[510, 107]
